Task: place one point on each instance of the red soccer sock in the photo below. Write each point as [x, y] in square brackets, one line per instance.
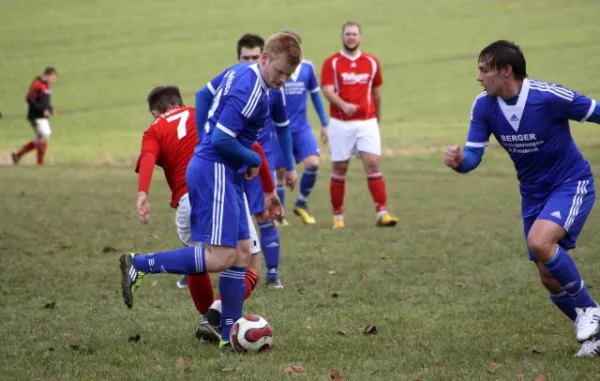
[26, 148]
[377, 188]
[337, 189]
[250, 280]
[201, 291]
[41, 151]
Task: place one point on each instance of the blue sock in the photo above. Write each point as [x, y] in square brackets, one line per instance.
[186, 260]
[307, 182]
[281, 193]
[565, 303]
[232, 289]
[563, 269]
[269, 241]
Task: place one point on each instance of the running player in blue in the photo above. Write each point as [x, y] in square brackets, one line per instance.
[275, 137]
[215, 180]
[530, 120]
[306, 150]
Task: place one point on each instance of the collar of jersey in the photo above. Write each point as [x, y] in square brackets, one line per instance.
[522, 99]
[263, 84]
[351, 58]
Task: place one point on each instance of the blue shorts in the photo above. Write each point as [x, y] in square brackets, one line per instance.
[304, 144]
[218, 210]
[569, 206]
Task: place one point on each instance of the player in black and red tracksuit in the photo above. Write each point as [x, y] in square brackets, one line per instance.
[40, 109]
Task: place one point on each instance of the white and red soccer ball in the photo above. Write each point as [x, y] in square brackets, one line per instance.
[251, 333]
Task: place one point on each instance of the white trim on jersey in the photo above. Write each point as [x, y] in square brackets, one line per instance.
[369, 96]
[315, 90]
[477, 145]
[560, 92]
[480, 95]
[252, 100]
[218, 205]
[335, 78]
[226, 130]
[351, 58]
[282, 124]
[211, 88]
[590, 111]
[577, 201]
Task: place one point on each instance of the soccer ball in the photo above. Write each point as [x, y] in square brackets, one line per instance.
[251, 333]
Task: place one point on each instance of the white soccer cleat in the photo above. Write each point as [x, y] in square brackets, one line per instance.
[587, 323]
[589, 348]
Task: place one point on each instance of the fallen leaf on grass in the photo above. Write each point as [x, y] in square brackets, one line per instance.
[134, 339]
[157, 368]
[366, 276]
[50, 305]
[295, 369]
[492, 367]
[540, 377]
[331, 272]
[227, 370]
[370, 330]
[154, 283]
[335, 375]
[536, 351]
[108, 249]
[68, 335]
[179, 362]
[264, 314]
[342, 333]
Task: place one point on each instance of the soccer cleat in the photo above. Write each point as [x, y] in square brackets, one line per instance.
[15, 158]
[587, 323]
[386, 220]
[338, 224]
[225, 345]
[281, 222]
[302, 212]
[589, 348]
[205, 331]
[274, 283]
[131, 278]
[182, 282]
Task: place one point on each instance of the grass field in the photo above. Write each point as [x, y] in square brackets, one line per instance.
[450, 289]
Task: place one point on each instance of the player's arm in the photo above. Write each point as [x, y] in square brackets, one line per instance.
[315, 97]
[376, 91]
[568, 104]
[149, 155]
[328, 86]
[469, 158]
[282, 128]
[204, 98]
[264, 172]
[231, 122]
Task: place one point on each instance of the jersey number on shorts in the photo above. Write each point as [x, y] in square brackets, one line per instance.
[213, 108]
[182, 127]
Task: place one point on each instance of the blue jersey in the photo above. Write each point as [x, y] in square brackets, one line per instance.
[240, 108]
[267, 136]
[534, 129]
[303, 81]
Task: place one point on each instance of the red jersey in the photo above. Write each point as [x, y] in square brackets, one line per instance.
[169, 142]
[38, 99]
[353, 79]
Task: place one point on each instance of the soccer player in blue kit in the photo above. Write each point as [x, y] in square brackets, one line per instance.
[530, 120]
[215, 180]
[305, 147]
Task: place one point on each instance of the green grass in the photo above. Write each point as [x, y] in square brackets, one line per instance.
[450, 289]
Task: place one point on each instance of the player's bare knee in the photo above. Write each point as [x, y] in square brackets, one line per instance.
[244, 253]
[340, 168]
[540, 246]
[223, 257]
[311, 162]
[254, 265]
[371, 163]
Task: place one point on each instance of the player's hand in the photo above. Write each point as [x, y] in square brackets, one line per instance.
[251, 173]
[325, 135]
[47, 113]
[349, 108]
[291, 177]
[143, 207]
[273, 206]
[53, 112]
[453, 156]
